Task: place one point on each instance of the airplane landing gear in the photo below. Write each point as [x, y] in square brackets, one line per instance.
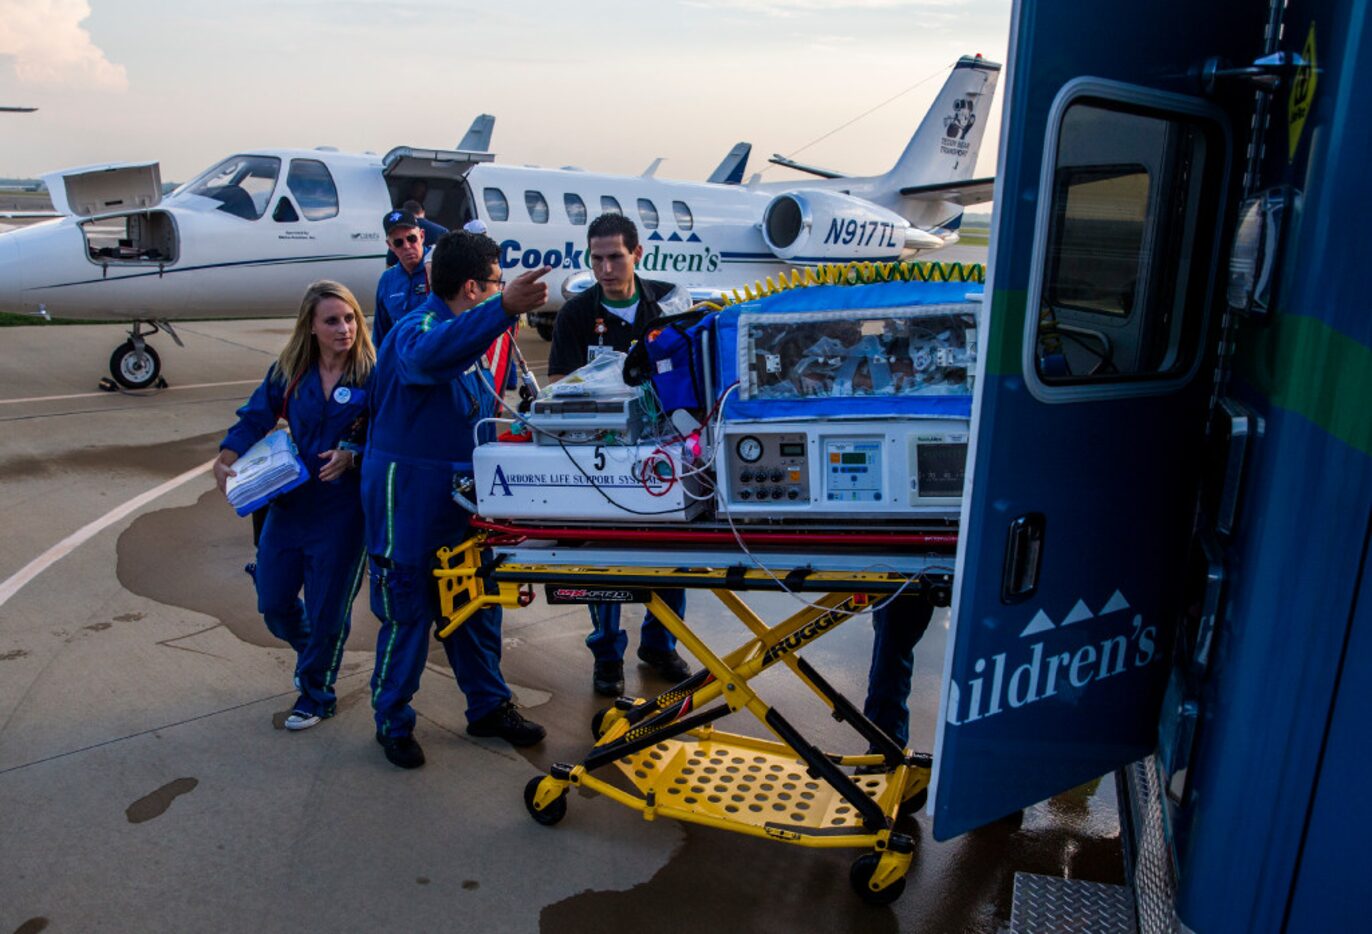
[134, 364]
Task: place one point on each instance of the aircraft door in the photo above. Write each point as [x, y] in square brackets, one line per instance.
[1114, 182]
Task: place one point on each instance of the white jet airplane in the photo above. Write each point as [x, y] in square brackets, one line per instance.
[245, 237]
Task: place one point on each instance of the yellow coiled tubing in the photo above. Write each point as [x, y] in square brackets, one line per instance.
[856, 274]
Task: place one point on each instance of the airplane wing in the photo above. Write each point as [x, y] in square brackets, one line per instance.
[730, 171]
[779, 159]
[968, 192]
[478, 135]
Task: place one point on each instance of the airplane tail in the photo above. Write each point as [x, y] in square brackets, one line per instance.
[945, 145]
[478, 135]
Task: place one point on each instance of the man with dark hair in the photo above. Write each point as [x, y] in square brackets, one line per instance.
[431, 230]
[405, 286]
[427, 395]
[608, 317]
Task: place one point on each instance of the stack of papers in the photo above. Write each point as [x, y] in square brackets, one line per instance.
[266, 470]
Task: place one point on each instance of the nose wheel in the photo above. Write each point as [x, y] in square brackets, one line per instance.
[135, 366]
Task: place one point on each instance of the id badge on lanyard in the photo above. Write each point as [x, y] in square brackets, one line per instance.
[598, 349]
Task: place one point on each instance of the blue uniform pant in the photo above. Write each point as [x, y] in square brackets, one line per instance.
[607, 641]
[405, 599]
[898, 627]
[321, 552]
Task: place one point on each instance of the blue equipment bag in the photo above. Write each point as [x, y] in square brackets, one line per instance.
[670, 356]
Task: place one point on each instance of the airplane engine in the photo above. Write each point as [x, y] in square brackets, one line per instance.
[824, 226]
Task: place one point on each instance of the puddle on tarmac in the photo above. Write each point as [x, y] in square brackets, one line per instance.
[156, 804]
[193, 556]
[158, 460]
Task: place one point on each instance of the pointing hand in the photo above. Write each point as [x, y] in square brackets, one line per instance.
[526, 293]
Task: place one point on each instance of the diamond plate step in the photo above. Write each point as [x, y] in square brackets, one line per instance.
[1049, 905]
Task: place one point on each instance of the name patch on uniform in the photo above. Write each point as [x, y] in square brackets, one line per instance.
[342, 394]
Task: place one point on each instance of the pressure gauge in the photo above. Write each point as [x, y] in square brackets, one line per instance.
[749, 449]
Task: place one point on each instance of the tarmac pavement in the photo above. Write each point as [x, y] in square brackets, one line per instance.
[147, 784]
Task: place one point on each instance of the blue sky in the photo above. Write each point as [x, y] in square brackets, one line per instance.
[604, 85]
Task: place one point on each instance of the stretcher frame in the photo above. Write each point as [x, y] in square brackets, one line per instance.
[682, 767]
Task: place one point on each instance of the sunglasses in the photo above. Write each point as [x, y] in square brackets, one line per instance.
[398, 242]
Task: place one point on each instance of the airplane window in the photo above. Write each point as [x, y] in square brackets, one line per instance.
[309, 180]
[576, 208]
[609, 205]
[497, 208]
[242, 185]
[285, 213]
[537, 205]
[684, 220]
[647, 212]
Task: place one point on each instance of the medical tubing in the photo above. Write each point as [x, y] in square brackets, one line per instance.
[859, 272]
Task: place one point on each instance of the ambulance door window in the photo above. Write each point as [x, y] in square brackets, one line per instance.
[682, 210]
[497, 208]
[1118, 304]
[610, 205]
[537, 205]
[647, 212]
[576, 208]
[313, 188]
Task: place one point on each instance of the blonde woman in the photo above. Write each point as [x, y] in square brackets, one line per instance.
[313, 536]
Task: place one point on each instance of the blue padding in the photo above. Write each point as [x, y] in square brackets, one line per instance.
[839, 298]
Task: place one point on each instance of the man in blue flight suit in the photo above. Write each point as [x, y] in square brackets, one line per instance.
[431, 230]
[427, 395]
[405, 286]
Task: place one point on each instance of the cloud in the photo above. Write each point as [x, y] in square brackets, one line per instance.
[49, 47]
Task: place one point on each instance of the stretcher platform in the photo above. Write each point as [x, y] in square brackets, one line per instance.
[678, 764]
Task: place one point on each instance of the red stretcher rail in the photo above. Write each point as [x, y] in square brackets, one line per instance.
[938, 540]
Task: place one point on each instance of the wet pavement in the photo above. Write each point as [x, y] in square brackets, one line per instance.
[146, 782]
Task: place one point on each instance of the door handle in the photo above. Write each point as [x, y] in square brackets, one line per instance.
[1023, 557]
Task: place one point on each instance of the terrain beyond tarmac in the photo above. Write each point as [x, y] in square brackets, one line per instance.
[146, 783]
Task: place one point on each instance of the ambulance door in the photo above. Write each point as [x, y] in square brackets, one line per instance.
[1116, 172]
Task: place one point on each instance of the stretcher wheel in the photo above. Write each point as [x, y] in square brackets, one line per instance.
[860, 877]
[915, 803]
[552, 813]
[598, 722]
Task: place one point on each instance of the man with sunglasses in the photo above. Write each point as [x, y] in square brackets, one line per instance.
[429, 390]
[405, 286]
[431, 230]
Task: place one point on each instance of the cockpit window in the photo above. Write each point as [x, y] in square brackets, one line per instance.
[242, 185]
[309, 180]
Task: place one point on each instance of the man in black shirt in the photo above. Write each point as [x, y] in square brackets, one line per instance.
[608, 317]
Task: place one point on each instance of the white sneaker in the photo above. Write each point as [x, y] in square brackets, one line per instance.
[301, 721]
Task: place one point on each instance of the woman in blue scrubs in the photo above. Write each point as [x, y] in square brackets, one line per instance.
[313, 536]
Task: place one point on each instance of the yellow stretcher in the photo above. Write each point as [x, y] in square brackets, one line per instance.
[668, 747]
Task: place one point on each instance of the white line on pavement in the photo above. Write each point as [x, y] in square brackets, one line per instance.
[69, 544]
[88, 395]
